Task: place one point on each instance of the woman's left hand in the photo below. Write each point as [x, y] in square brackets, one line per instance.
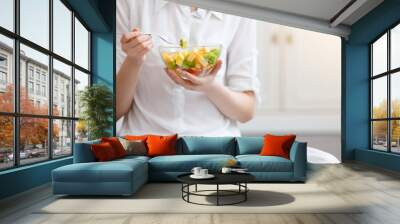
[192, 82]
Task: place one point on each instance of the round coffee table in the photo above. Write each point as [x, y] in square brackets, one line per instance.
[238, 179]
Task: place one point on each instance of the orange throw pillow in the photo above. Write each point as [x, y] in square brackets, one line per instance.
[277, 145]
[103, 152]
[116, 145]
[161, 145]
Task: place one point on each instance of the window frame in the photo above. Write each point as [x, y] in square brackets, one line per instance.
[16, 115]
[388, 74]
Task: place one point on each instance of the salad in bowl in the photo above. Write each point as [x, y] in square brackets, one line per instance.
[197, 60]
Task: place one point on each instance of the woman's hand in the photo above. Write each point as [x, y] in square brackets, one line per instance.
[136, 46]
[192, 82]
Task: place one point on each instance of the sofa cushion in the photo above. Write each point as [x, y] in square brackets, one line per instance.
[192, 145]
[275, 145]
[161, 145]
[134, 147]
[257, 163]
[103, 152]
[249, 145]
[112, 171]
[116, 145]
[185, 163]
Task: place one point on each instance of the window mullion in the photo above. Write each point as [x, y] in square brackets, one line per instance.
[16, 84]
[50, 81]
[73, 82]
[389, 88]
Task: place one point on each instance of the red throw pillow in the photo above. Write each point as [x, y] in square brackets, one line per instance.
[116, 145]
[103, 152]
[161, 145]
[277, 145]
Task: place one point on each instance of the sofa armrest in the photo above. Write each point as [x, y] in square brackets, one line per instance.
[298, 155]
[83, 152]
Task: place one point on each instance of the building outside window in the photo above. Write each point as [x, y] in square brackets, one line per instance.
[56, 129]
[385, 91]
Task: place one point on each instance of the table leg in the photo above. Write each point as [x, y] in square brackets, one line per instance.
[217, 194]
[188, 190]
[195, 188]
[245, 193]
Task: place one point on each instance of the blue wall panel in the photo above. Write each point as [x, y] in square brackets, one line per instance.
[356, 85]
[24, 178]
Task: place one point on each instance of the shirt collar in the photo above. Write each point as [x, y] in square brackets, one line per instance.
[161, 3]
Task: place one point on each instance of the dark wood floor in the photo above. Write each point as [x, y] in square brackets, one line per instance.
[377, 188]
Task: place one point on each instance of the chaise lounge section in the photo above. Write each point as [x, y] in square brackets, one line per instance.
[125, 176]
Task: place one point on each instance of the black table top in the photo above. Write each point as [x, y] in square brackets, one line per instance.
[220, 178]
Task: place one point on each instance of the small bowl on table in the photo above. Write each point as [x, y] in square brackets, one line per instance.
[196, 60]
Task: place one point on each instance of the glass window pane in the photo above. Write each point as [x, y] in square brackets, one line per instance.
[6, 74]
[379, 135]
[35, 21]
[379, 97]
[62, 89]
[62, 138]
[379, 55]
[7, 14]
[33, 140]
[395, 136]
[395, 94]
[81, 131]
[6, 142]
[81, 81]
[81, 45]
[34, 72]
[395, 47]
[62, 29]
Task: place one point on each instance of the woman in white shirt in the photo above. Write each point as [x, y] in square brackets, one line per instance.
[154, 100]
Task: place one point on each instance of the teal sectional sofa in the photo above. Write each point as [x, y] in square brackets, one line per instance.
[125, 176]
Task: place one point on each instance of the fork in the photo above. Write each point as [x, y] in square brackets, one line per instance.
[161, 37]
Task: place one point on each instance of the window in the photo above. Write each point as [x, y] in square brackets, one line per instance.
[81, 45]
[3, 61]
[44, 123]
[35, 21]
[3, 72]
[30, 72]
[30, 88]
[44, 91]
[38, 74]
[37, 89]
[3, 78]
[62, 74]
[7, 14]
[62, 30]
[385, 91]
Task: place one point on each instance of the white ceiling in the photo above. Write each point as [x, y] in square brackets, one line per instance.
[321, 9]
[315, 15]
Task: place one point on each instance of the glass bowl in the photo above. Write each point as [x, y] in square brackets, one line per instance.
[197, 60]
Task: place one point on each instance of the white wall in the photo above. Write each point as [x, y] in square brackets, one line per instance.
[300, 74]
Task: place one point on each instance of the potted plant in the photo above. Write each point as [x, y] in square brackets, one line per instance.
[96, 103]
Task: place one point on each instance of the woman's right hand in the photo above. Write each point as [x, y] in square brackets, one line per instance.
[136, 45]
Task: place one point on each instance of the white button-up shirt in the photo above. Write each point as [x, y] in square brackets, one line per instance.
[162, 107]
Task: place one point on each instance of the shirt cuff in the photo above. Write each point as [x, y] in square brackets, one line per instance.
[244, 83]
